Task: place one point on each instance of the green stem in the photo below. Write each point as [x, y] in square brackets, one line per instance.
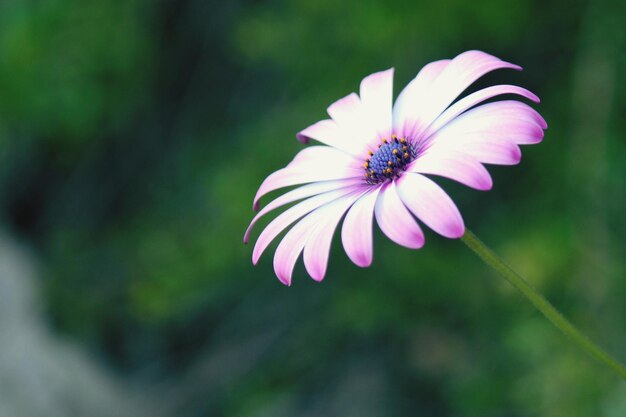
[541, 303]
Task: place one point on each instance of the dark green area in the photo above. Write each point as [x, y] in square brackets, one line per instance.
[133, 136]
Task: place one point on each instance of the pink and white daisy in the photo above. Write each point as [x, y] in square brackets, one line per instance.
[376, 158]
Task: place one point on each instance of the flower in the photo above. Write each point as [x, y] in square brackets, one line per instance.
[375, 157]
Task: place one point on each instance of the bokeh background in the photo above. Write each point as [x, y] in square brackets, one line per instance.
[133, 135]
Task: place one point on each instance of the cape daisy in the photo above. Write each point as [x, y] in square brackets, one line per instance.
[375, 156]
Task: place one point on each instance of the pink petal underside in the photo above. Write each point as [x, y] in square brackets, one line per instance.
[414, 95]
[488, 149]
[454, 165]
[330, 133]
[473, 99]
[495, 152]
[376, 97]
[298, 194]
[356, 233]
[431, 205]
[512, 120]
[514, 109]
[453, 80]
[315, 163]
[490, 132]
[395, 220]
[280, 223]
[317, 248]
[512, 129]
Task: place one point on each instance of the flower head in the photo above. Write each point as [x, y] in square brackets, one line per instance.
[375, 157]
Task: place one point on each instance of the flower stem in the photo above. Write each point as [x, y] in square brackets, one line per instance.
[541, 303]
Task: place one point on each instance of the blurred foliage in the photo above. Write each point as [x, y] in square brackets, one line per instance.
[133, 135]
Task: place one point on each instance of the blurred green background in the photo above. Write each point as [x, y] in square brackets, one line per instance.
[133, 136]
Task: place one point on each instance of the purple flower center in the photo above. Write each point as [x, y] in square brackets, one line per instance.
[389, 161]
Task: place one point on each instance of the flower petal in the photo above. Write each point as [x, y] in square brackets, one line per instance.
[298, 194]
[330, 133]
[348, 113]
[454, 165]
[317, 248]
[431, 205]
[484, 148]
[291, 245]
[490, 132]
[494, 152]
[407, 107]
[315, 163]
[289, 216]
[514, 109]
[356, 233]
[510, 120]
[453, 80]
[473, 99]
[312, 156]
[346, 110]
[290, 248]
[395, 220]
[376, 97]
